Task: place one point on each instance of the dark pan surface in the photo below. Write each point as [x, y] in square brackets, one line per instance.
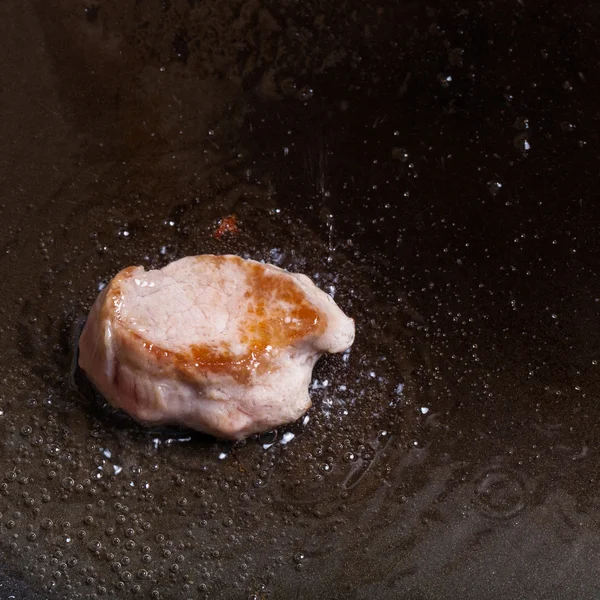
[436, 164]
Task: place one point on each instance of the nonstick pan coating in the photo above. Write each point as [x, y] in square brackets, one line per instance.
[434, 165]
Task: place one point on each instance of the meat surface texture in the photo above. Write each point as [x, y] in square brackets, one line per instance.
[219, 344]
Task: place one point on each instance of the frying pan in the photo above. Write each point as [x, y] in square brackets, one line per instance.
[433, 165]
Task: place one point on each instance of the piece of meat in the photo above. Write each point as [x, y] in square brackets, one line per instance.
[215, 343]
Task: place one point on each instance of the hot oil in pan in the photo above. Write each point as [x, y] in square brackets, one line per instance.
[119, 508]
[433, 167]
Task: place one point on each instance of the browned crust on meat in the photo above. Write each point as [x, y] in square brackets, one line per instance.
[268, 326]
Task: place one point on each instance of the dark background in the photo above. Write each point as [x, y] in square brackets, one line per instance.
[433, 163]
